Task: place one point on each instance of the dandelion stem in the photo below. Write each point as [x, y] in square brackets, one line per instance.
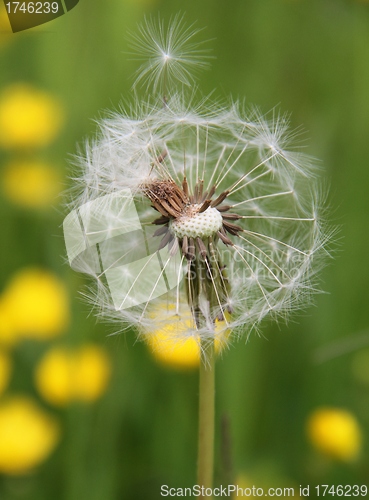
[206, 416]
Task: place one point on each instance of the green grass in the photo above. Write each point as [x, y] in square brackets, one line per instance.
[309, 58]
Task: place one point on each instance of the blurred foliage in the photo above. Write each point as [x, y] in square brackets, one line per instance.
[308, 57]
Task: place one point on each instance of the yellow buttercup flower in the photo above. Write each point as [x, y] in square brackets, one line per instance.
[92, 373]
[66, 375]
[36, 304]
[176, 354]
[28, 117]
[27, 435]
[31, 184]
[5, 369]
[169, 343]
[335, 433]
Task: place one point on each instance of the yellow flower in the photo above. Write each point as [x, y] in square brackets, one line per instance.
[169, 345]
[335, 433]
[31, 183]
[28, 117]
[176, 354]
[65, 375]
[5, 369]
[27, 435]
[36, 304]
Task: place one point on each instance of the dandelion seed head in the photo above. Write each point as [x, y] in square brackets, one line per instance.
[200, 210]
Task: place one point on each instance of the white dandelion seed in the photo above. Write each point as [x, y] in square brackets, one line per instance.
[168, 54]
[197, 210]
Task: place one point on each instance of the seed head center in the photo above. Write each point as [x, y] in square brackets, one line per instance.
[196, 225]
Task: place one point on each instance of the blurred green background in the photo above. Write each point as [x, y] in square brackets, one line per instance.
[308, 57]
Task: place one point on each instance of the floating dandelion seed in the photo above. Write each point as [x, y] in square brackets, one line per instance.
[168, 55]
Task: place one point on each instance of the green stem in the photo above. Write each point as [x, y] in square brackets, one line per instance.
[206, 417]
